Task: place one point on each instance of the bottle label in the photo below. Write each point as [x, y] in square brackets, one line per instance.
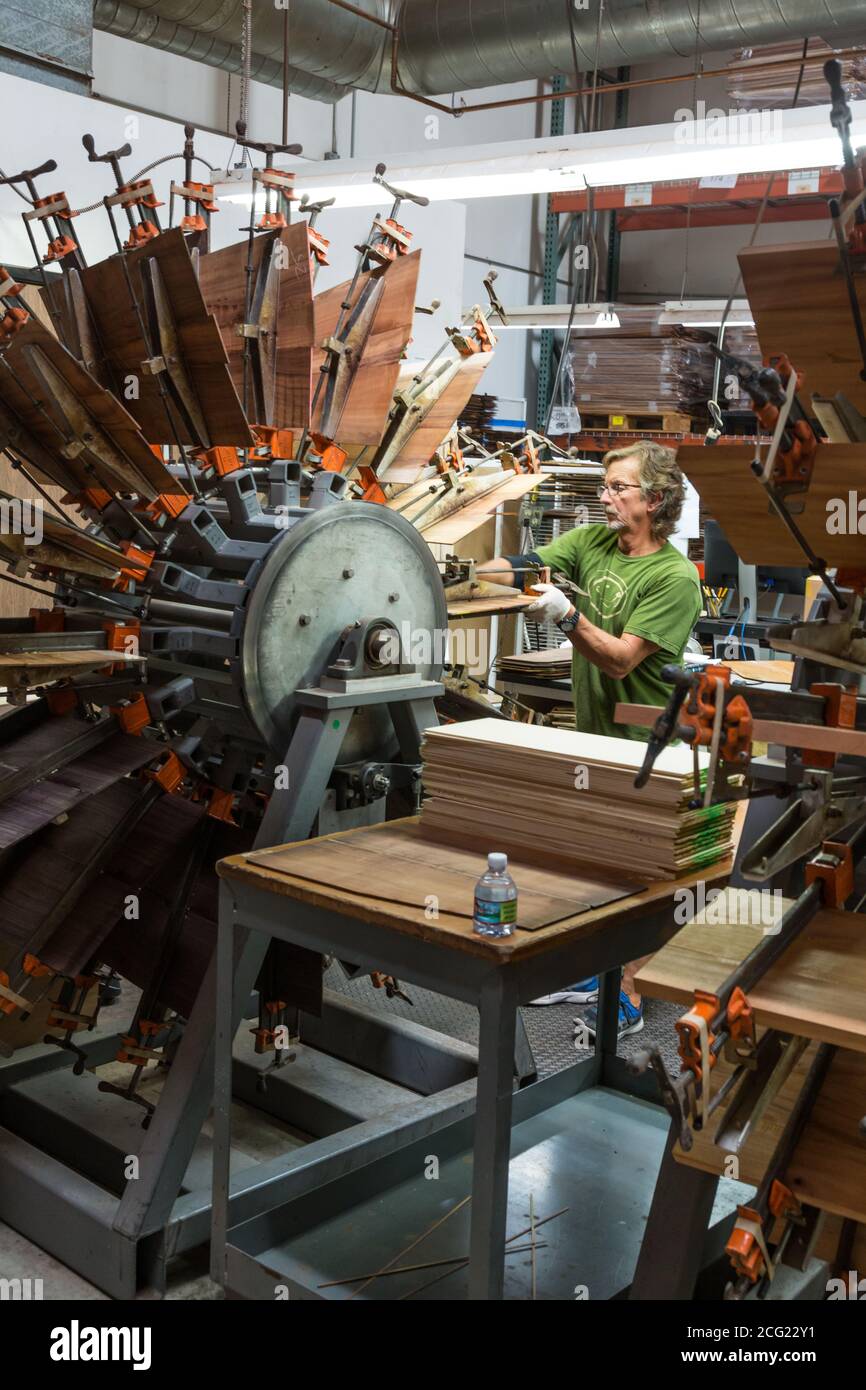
[491, 914]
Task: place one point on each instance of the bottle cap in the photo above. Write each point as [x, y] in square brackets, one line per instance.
[498, 863]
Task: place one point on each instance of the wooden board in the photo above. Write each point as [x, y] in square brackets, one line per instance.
[731, 494]
[484, 607]
[571, 796]
[413, 500]
[465, 520]
[43, 433]
[39, 668]
[553, 664]
[62, 546]
[116, 314]
[408, 869]
[813, 326]
[817, 989]
[438, 423]
[828, 1168]
[817, 736]
[371, 393]
[455, 933]
[768, 672]
[27, 811]
[222, 276]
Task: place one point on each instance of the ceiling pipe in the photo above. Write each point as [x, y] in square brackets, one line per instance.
[459, 45]
[129, 21]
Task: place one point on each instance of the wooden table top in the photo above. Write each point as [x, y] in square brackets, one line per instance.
[816, 990]
[448, 932]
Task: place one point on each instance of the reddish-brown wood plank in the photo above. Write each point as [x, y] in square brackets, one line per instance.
[223, 280]
[371, 393]
[115, 295]
[24, 394]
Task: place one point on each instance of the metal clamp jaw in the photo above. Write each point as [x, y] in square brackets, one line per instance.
[704, 710]
[826, 806]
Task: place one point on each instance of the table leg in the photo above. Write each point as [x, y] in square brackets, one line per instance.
[607, 1017]
[491, 1152]
[223, 1039]
[676, 1230]
[525, 1067]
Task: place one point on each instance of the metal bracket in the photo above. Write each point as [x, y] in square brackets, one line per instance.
[826, 807]
[82, 432]
[170, 357]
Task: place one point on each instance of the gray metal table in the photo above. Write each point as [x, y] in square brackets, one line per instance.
[258, 903]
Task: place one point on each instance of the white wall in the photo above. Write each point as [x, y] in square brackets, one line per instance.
[53, 122]
[501, 230]
[130, 79]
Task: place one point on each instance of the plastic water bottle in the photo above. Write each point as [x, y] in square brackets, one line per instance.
[495, 899]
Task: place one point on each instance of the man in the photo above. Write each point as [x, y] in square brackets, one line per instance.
[631, 612]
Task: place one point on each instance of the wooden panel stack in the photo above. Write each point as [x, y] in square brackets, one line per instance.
[568, 799]
[223, 280]
[553, 665]
[372, 389]
[116, 298]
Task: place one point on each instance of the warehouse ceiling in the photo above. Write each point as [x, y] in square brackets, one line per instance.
[460, 45]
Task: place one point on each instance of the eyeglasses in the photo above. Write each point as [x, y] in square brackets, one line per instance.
[614, 488]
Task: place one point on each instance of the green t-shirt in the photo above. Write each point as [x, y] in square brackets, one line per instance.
[654, 596]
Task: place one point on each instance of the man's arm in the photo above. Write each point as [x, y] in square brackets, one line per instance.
[615, 656]
[510, 569]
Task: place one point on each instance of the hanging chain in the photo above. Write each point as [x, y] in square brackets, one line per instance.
[246, 57]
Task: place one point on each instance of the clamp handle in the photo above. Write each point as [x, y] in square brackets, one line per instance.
[833, 74]
[665, 727]
[27, 175]
[840, 113]
[109, 158]
[314, 208]
[399, 194]
[265, 147]
[495, 302]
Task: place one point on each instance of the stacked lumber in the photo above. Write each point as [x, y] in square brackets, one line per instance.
[553, 664]
[757, 88]
[561, 716]
[650, 367]
[478, 415]
[568, 799]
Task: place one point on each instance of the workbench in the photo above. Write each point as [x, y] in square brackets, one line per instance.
[496, 975]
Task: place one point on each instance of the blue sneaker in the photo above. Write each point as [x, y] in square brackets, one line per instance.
[630, 1019]
[584, 992]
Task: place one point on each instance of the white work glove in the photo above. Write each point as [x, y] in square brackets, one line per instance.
[551, 604]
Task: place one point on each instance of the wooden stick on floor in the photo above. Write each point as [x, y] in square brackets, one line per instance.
[516, 1236]
[426, 1264]
[416, 1241]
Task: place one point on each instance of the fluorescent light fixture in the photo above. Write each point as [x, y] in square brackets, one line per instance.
[706, 313]
[745, 143]
[542, 316]
[696, 313]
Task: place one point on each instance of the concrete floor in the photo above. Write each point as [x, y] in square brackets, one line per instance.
[596, 1154]
[20, 1259]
